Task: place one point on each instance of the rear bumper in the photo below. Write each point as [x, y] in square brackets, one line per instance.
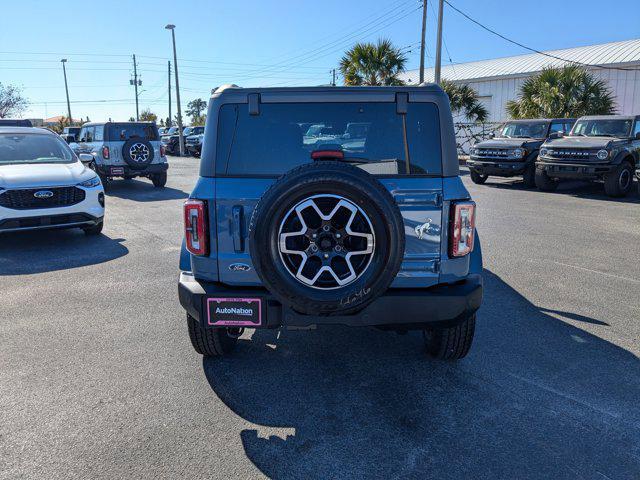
[127, 171]
[497, 167]
[575, 170]
[442, 305]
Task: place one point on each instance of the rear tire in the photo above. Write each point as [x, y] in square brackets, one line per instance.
[618, 183]
[477, 178]
[529, 176]
[544, 182]
[159, 179]
[210, 342]
[451, 343]
[94, 229]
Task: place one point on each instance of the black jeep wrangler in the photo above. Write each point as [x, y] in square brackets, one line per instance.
[514, 151]
[603, 148]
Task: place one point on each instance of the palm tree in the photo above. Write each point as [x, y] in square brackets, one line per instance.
[567, 92]
[464, 99]
[373, 64]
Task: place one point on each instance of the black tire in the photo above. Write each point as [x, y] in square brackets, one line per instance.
[210, 342]
[137, 152]
[477, 178]
[619, 182]
[529, 176]
[94, 229]
[544, 182]
[451, 343]
[159, 179]
[363, 191]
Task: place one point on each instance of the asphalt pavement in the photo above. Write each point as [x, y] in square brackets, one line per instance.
[98, 378]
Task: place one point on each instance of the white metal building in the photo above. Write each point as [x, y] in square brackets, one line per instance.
[497, 81]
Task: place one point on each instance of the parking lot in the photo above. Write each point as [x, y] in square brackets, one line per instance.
[98, 378]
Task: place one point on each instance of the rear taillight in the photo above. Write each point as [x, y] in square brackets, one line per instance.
[105, 152]
[196, 226]
[462, 231]
[162, 151]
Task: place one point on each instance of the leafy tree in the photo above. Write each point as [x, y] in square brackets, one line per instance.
[12, 103]
[200, 120]
[131, 119]
[62, 122]
[373, 64]
[195, 109]
[570, 91]
[464, 99]
[148, 116]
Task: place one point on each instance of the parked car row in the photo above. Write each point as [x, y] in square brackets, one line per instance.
[170, 138]
[544, 152]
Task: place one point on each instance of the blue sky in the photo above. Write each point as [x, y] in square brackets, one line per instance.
[258, 42]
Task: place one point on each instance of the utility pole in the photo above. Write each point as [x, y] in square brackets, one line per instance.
[66, 88]
[333, 81]
[439, 44]
[424, 30]
[169, 83]
[175, 67]
[135, 83]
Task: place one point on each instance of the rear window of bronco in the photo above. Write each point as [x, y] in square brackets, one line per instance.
[370, 135]
[125, 131]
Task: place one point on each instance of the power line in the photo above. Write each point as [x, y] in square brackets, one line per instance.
[531, 49]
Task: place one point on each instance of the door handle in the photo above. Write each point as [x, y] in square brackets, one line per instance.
[237, 213]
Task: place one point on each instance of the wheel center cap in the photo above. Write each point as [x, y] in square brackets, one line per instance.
[327, 243]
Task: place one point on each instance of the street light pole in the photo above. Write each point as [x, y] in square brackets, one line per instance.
[175, 67]
[439, 44]
[66, 88]
[169, 87]
[422, 46]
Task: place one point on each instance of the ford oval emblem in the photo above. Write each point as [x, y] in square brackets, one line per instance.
[239, 267]
[43, 194]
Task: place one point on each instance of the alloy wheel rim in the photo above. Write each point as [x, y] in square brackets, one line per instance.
[139, 152]
[326, 241]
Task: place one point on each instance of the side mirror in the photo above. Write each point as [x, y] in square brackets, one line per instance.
[637, 135]
[85, 157]
[553, 135]
[492, 135]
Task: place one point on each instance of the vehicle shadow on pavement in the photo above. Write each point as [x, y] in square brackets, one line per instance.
[536, 398]
[23, 253]
[142, 191]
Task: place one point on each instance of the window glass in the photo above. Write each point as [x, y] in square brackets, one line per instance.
[82, 135]
[98, 135]
[121, 132]
[370, 135]
[524, 130]
[557, 127]
[636, 130]
[602, 127]
[89, 134]
[33, 148]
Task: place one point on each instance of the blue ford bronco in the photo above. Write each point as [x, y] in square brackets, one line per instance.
[298, 219]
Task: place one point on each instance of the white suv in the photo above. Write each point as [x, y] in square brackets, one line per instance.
[44, 185]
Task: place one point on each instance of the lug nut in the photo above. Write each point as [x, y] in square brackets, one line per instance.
[315, 235]
[326, 255]
[338, 248]
[338, 235]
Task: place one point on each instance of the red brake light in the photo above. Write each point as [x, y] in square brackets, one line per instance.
[327, 154]
[462, 228]
[162, 151]
[105, 152]
[196, 226]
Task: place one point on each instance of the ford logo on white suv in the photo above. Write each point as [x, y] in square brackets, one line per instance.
[43, 194]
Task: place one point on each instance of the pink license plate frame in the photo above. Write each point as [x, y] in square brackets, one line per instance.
[237, 303]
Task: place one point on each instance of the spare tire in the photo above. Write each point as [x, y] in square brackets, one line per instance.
[137, 152]
[326, 239]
